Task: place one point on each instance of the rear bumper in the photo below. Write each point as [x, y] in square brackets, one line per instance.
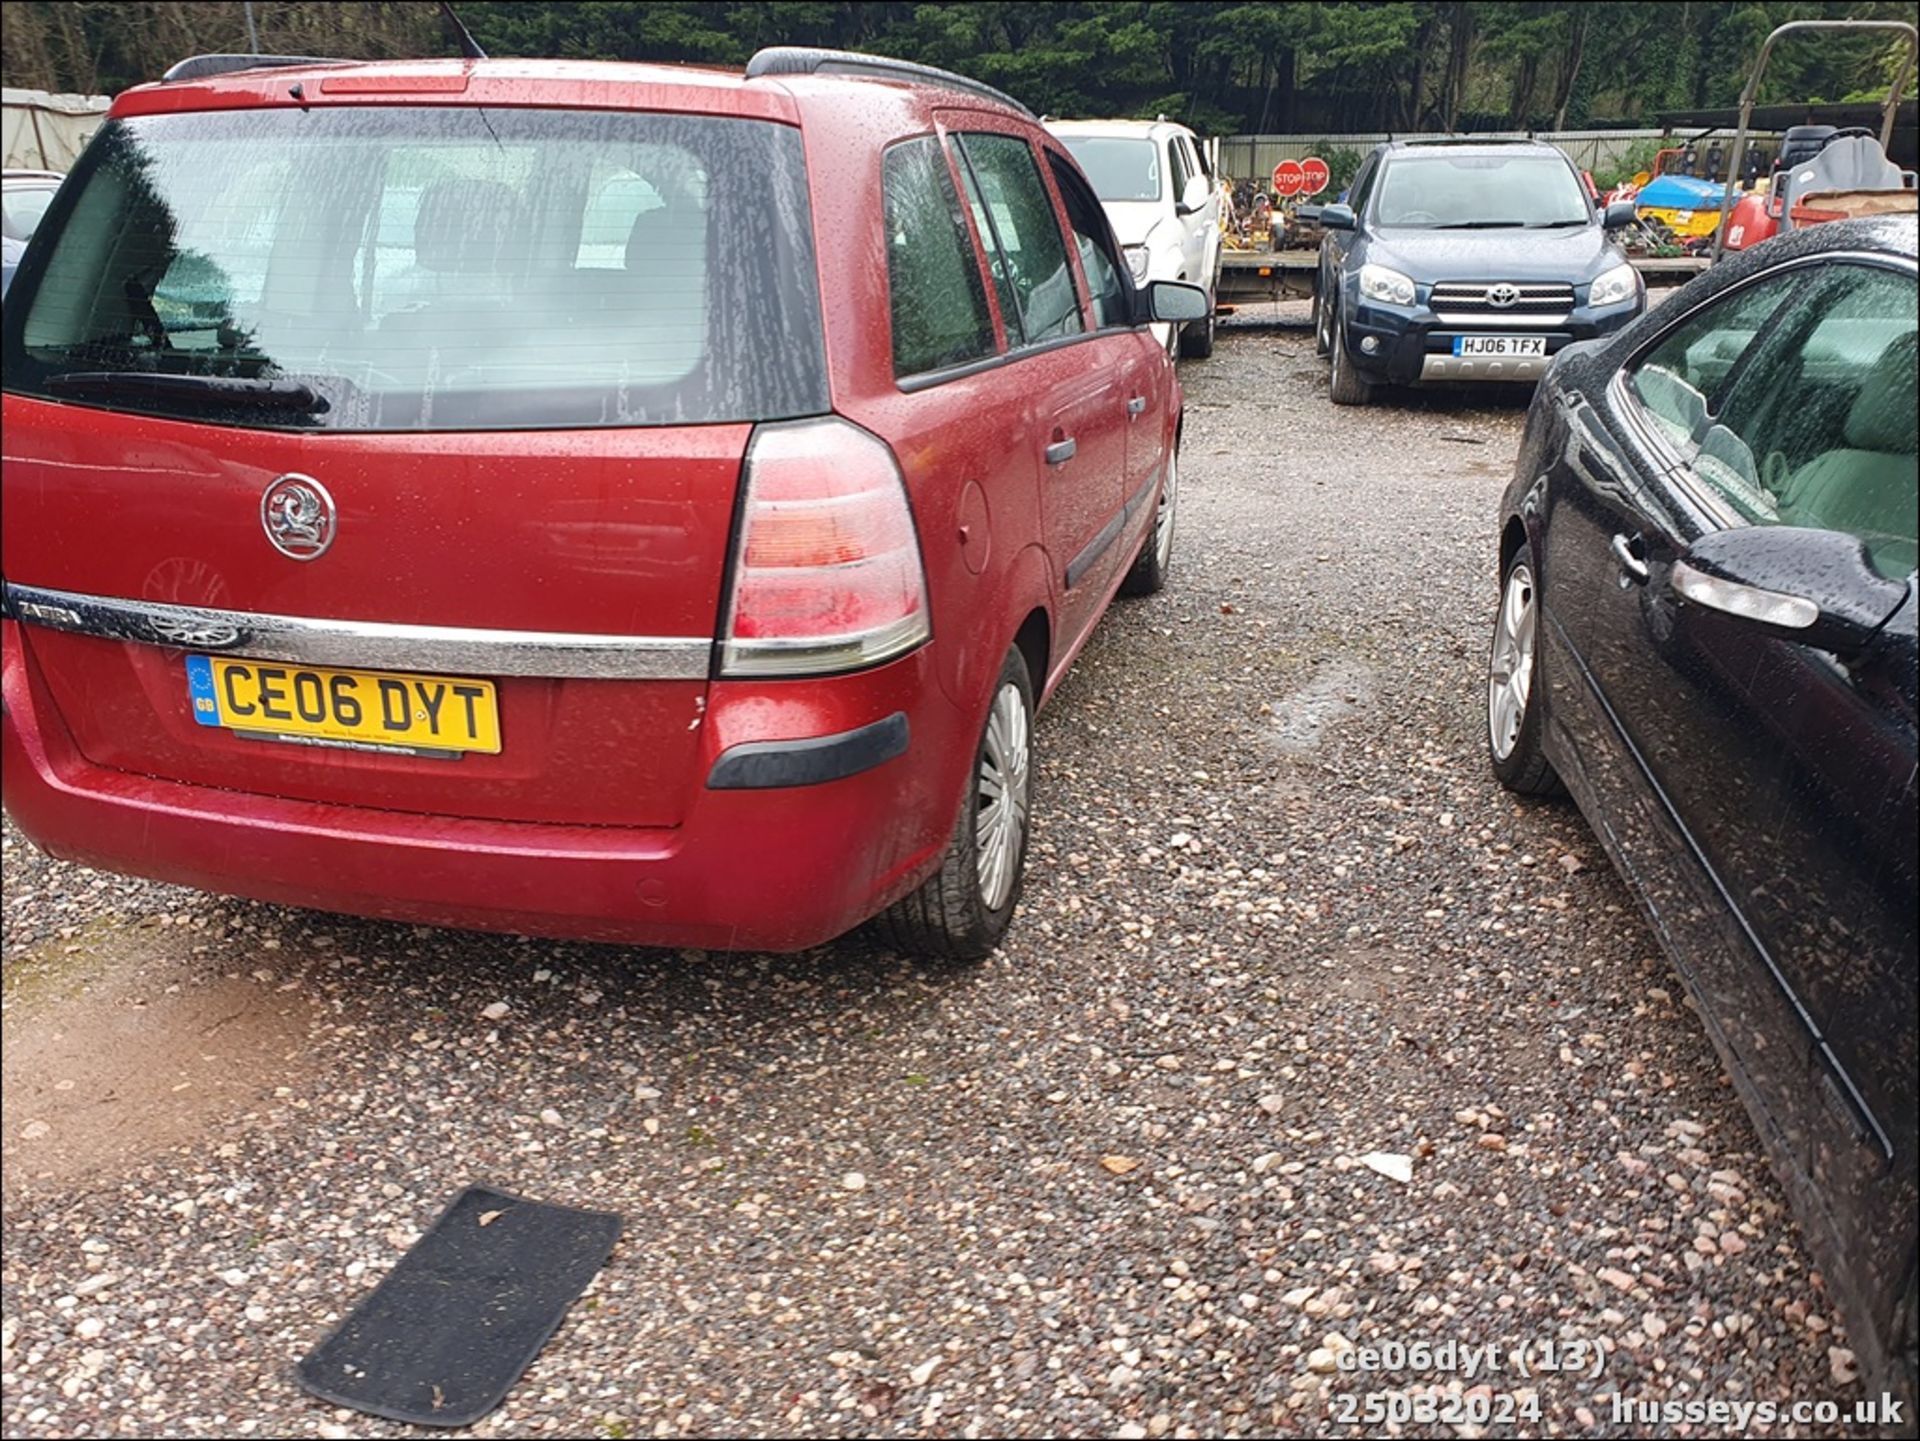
[1411, 344]
[780, 868]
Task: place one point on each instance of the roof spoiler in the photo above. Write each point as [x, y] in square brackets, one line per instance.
[805, 60]
[199, 67]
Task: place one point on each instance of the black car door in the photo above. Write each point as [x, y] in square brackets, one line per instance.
[1783, 773]
[1649, 727]
[1829, 413]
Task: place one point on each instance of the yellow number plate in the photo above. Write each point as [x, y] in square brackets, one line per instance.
[344, 707]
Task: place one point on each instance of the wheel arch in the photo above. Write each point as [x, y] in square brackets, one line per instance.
[1513, 535]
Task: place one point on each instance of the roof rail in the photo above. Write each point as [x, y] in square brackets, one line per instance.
[199, 67]
[805, 60]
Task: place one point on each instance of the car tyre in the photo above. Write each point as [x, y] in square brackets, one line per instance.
[1516, 701]
[1345, 384]
[1322, 331]
[961, 911]
[1149, 573]
[1196, 341]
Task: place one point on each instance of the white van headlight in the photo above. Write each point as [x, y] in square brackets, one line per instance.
[1136, 261]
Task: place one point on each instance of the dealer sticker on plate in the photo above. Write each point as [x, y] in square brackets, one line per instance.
[349, 709]
[1500, 347]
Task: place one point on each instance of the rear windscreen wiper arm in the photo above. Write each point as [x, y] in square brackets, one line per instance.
[294, 395]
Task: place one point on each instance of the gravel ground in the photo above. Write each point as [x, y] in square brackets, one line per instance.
[1283, 936]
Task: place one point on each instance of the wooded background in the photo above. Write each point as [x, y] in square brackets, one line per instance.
[1223, 68]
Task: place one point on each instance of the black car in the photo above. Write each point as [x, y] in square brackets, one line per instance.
[1706, 634]
[1465, 260]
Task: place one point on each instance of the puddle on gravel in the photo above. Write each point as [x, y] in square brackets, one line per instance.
[125, 1046]
[1339, 688]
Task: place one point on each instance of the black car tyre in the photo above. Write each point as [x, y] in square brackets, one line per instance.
[1516, 702]
[1345, 384]
[1149, 573]
[963, 909]
[1322, 330]
[1196, 341]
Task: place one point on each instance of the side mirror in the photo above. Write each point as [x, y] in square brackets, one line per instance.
[1815, 587]
[1195, 196]
[1175, 301]
[1618, 216]
[1337, 217]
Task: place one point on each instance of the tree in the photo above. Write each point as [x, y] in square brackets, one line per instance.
[1312, 67]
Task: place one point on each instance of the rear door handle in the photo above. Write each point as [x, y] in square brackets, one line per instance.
[1137, 406]
[1630, 564]
[1061, 451]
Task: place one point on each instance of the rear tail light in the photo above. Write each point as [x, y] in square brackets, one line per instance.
[826, 567]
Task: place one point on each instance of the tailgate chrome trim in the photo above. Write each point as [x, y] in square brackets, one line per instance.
[370, 645]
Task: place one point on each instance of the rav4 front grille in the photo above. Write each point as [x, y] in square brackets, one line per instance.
[1509, 302]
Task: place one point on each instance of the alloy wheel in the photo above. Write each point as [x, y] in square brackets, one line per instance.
[1510, 665]
[1000, 820]
[1163, 517]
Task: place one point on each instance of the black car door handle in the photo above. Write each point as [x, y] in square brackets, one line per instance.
[1061, 451]
[1630, 563]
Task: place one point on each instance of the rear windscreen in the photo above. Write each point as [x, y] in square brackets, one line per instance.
[430, 268]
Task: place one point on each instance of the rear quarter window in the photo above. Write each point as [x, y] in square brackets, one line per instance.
[431, 268]
[935, 295]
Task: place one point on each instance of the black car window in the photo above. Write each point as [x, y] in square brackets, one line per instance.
[1105, 272]
[1817, 428]
[938, 303]
[1015, 215]
[1678, 382]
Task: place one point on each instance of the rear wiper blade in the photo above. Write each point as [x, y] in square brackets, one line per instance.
[1484, 225]
[293, 395]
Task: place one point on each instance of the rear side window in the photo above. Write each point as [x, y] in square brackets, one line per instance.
[938, 303]
[430, 268]
[1012, 207]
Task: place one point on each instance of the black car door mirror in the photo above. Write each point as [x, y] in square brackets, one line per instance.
[1337, 217]
[1816, 587]
[1176, 301]
[1619, 215]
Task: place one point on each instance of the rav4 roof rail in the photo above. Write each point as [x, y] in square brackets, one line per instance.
[805, 60]
[199, 67]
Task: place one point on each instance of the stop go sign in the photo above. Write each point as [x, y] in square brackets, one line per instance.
[1314, 174]
[1288, 177]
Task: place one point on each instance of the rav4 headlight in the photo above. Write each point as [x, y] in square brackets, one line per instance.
[1388, 286]
[1614, 286]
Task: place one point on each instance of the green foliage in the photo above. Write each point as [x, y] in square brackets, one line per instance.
[1342, 162]
[1636, 158]
[1218, 65]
